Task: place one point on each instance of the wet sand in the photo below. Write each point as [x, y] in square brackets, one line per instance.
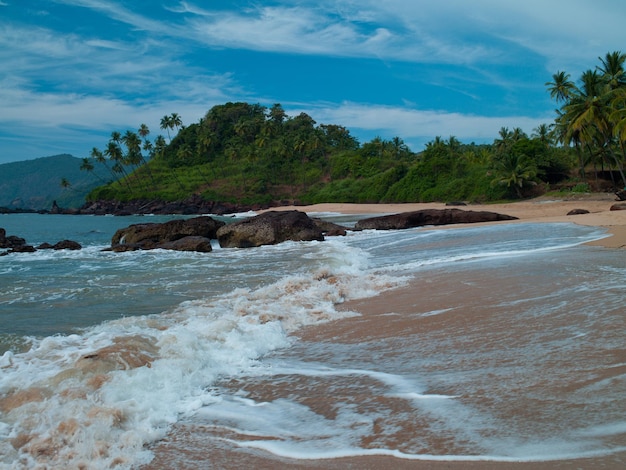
[543, 209]
[190, 447]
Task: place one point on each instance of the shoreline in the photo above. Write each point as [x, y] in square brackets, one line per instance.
[540, 210]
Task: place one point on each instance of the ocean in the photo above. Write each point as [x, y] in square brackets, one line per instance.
[496, 343]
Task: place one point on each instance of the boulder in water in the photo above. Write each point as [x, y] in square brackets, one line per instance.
[163, 235]
[269, 228]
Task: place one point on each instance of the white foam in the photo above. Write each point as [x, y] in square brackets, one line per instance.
[166, 364]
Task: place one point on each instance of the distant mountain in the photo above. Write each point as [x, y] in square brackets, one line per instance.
[35, 184]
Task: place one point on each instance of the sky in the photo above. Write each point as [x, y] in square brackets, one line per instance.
[74, 71]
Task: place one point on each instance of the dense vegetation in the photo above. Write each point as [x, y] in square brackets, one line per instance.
[247, 153]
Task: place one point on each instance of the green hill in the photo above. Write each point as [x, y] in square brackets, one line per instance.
[248, 154]
[35, 184]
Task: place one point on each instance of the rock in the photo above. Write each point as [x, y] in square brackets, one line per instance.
[578, 212]
[22, 249]
[154, 235]
[168, 231]
[67, 245]
[191, 243]
[330, 229]
[62, 245]
[620, 206]
[429, 217]
[269, 228]
[55, 208]
[621, 195]
[192, 205]
[11, 241]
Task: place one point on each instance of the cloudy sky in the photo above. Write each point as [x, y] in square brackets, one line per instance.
[73, 71]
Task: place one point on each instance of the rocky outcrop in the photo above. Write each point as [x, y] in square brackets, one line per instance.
[184, 235]
[429, 217]
[620, 206]
[578, 212]
[269, 228]
[11, 241]
[19, 245]
[62, 245]
[189, 206]
[329, 229]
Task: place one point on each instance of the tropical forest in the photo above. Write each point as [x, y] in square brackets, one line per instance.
[248, 153]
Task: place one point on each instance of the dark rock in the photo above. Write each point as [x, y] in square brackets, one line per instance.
[429, 217]
[269, 228]
[191, 243]
[23, 249]
[192, 205]
[55, 208]
[578, 212]
[154, 235]
[67, 245]
[62, 245]
[330, 229]
[621, 195]
[619, 206]
[11, 241]
[168, 231]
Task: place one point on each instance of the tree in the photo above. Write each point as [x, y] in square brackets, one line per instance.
[514, 171]
[166, 125]
[561, 87]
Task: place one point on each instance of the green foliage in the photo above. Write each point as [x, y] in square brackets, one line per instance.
[247, 153]
[581, 188]
[592, 116]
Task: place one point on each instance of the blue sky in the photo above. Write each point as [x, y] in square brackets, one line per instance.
[73, 71]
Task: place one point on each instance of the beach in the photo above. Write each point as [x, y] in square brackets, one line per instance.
[448, 293]
[495, 345]
[543, 209]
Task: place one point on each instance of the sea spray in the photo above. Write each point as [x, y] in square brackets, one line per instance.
[99, 397]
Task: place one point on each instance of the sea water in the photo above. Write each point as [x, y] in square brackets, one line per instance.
[104, 355]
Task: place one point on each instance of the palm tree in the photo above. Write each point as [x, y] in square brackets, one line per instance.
[543, 134]
[514, 171]
[612, 69]
[99, 157]
[176, 121]
[166, 124]
[561, 87]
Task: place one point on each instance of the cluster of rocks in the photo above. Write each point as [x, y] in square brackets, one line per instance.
[274, 227]
[15, 244]
[196, 234]
[192, 205]
[269, 228]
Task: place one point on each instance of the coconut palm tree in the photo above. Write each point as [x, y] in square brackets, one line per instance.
[514, 171]
[166, 124]
[561, 87]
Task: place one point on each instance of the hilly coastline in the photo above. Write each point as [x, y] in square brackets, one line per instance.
[36, 184]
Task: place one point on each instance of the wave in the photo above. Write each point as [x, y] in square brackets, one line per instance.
[100, 397]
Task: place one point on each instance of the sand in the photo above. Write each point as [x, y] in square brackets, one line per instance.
[543, 209]
[200, 448]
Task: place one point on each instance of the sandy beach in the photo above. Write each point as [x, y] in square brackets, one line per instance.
[543, 209]
[197, 446]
